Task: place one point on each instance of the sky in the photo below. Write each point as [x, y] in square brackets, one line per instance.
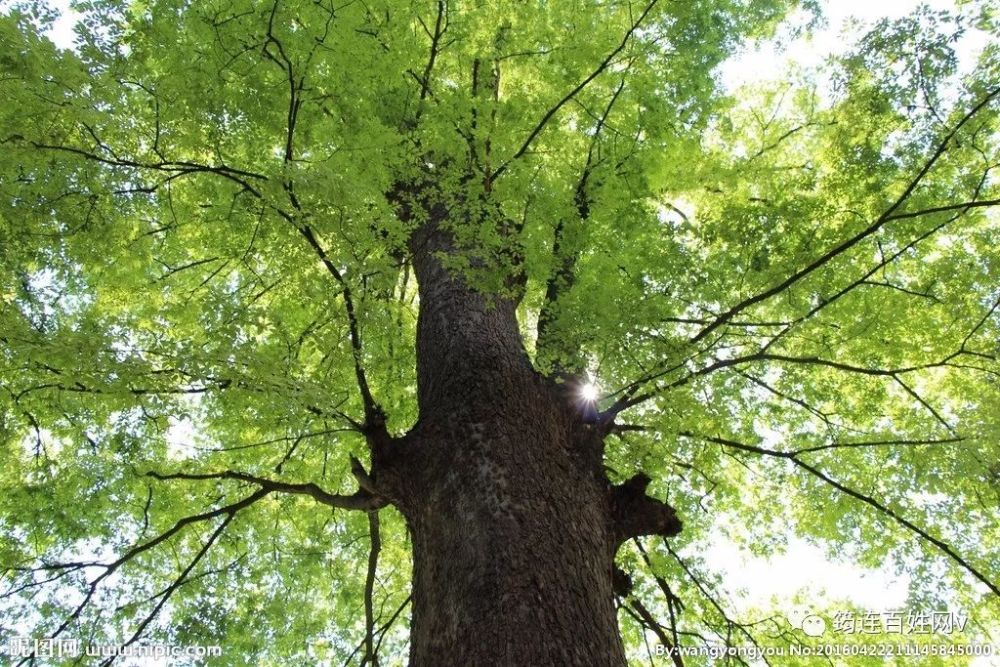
[802, 571]
[768, 62]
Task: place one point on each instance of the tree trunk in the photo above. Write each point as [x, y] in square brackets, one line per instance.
[501, 482]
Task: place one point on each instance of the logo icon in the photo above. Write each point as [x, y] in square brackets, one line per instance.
[813, 625]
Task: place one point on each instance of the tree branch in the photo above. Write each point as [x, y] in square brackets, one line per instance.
[674, 604]
[374, 416]
[371, 653]
[876, 443]
[563, 275]
[629, 400]
[888, 215]
[362, 500]
[381, 631]
[175, 167]
[571, 94]
[166, 595]
[942, 209]
[730, 623]
[111, 568]
[642, 615]
[285, 63]
[439, 30]
[866, 499]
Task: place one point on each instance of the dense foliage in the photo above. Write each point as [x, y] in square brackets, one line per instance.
[789, 294]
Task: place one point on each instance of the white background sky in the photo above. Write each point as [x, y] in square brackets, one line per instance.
[766, 62]
[802, 570]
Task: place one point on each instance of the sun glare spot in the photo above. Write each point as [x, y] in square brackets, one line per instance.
[590, 392]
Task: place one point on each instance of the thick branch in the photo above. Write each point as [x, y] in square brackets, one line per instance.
[362, 500]
[381, 631]
[643, 616]
[674, 604]
[365, 480]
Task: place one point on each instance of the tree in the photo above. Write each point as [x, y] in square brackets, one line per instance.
[296, 292]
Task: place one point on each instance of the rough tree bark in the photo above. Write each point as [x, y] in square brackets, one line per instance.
[514, 522]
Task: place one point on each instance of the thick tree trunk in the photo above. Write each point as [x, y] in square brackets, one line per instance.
[512, 564]
[512, 556]
[513, 522]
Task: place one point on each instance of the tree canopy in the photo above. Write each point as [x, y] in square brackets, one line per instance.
[788, 294]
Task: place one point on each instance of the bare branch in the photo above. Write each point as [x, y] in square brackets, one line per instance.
[868, 500]
[362, 500]
[170, 590]
[785, 135]
[171, 270]
[295, 87]
[646, 619]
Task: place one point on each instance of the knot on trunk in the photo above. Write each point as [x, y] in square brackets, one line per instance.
[633, 513]
[621, 582]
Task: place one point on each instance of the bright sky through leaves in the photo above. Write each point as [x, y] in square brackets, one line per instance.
[805, 573]
[804, 567]
[783, 283]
